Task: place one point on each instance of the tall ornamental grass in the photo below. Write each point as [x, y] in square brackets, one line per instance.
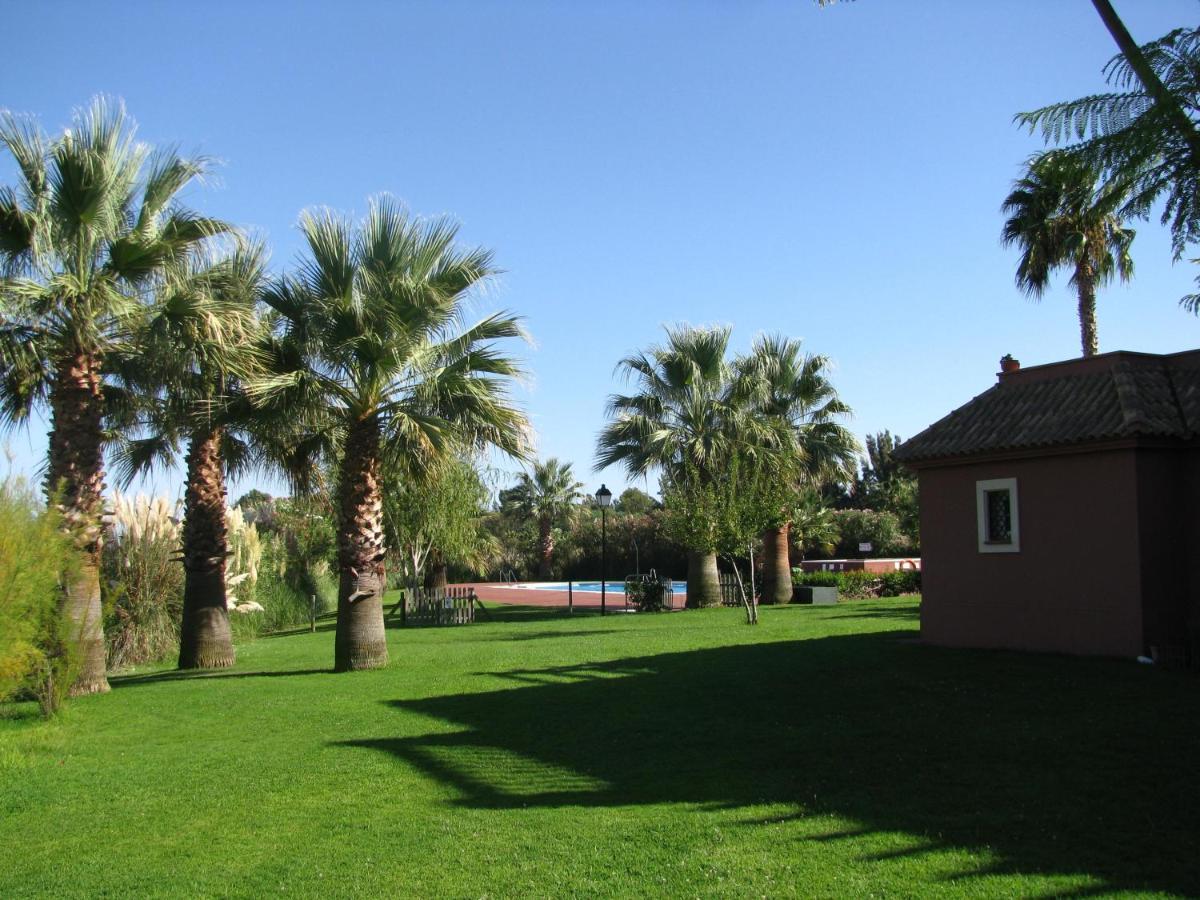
[144, 580]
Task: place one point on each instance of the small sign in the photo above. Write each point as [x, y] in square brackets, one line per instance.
[865, 547]
[448, 603]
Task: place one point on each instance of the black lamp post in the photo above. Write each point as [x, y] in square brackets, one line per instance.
[604, 498]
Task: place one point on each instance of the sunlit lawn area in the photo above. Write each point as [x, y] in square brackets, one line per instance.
[823, 753]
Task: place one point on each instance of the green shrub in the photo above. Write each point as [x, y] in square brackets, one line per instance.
[859, 585]
[292, 566]
[904, 581]
[800, 578]
[34, 651]
[646, 596]
[286, 602]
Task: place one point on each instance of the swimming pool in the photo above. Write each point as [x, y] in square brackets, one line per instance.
[588, 587]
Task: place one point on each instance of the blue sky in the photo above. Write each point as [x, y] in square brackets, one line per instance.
[831, 174]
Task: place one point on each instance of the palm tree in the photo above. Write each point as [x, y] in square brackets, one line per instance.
[1144, 133]
[84, 236]
[1059, 216]
[368, 355]
[547, 496]
[187, 366]
[791, 389]
[681, 422]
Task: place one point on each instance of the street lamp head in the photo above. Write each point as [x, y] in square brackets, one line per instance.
[604, 497]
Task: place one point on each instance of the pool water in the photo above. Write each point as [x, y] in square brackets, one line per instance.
[590, 587]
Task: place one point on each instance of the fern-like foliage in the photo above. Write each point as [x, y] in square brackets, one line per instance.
[1130, 139]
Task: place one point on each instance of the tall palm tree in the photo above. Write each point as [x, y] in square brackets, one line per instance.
[187, 365]
[1060, 216]
[681, 422]
[369, 355]
[790, 388]
[547, 496]
[84, 236]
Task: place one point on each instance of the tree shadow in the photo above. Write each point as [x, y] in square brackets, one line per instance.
[1054, 765]
[903, 613]
[325, 624]
[492, 637]
[124, 681]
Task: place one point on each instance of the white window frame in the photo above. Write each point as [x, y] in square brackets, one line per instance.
[981, 491]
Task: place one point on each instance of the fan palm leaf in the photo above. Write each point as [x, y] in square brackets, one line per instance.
[368, 355]
[1060, 215]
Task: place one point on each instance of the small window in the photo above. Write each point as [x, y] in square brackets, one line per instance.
[999, 527]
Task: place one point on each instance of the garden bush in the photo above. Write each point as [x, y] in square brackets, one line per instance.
[858, 585]
[800, 578]
[905, 581]
[288, 577]
[646, 596]
[34, 649]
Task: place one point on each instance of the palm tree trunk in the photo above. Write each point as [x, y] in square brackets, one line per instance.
[703, 584]
[205, 641]
[777, 568]
[1085, 281]
[75, 484]
[545, 547]
[360, 642]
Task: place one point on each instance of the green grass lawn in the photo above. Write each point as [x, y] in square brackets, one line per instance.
[823, 753]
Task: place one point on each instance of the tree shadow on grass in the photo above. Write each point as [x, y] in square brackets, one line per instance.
[123, 681]
[500, 614]
[325, 623]
[492, 637]
[1055, 765]
[908, 613]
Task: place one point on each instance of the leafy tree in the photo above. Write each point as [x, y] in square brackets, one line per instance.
[636, 543]
[724, 513]
[302, 528]
[807, 445]
[367, 356]
[1142, 136]
[434, 519]
[35, 646]
[683, 422]
[1061, 216]
[885, 485]
[254, 500]
[635, 502]
[879, 528]
[881, 466]
[547, 496]
[85, 235]
[187, 365]
[508, 542]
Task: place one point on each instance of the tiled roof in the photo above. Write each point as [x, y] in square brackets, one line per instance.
[1118, 395]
